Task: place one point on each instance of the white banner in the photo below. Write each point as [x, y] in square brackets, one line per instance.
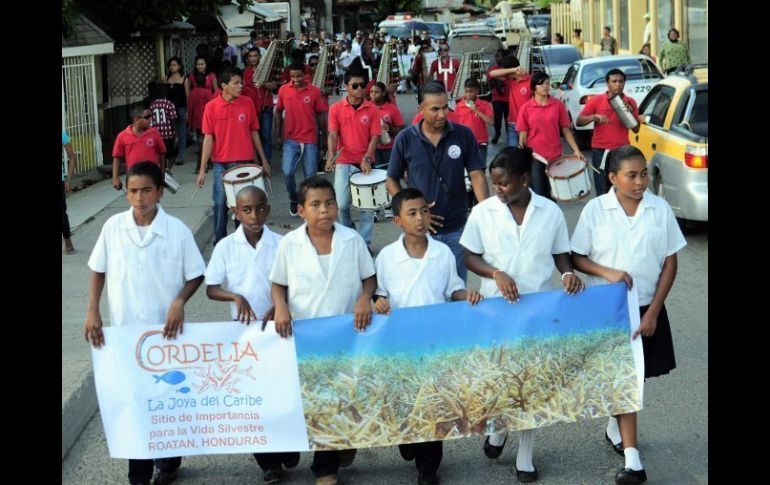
[217, 388]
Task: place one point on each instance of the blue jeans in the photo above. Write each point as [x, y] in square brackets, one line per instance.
[452, 239]
[220, 200]
[266, 132]
[483, 150]
[512, 134]
[342, 173]
[181, 131]
[292, 154]
[382, 158]
[539, 181]
[600, 179]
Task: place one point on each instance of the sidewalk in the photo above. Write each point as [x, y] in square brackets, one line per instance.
[88, 210]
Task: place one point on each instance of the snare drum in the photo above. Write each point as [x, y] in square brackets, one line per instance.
[569, 178]
[368, 190]
[239, 177]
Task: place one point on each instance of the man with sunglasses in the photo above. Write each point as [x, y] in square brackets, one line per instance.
[444, 68]
[354, 128]
[139, 142]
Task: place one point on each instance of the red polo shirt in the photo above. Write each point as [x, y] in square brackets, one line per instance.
[301, 106]
[390, 114]
[519, 94]
[231, 125]
[614, 133]
[543, 125]
[261, 96]
[496, 95]
[139, 148]
[355, 128]
[473, 121]
[448, 78]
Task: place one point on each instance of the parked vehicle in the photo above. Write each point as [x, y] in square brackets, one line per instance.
[555, 59]
[585, 78]
[674, 140]
[540, 28]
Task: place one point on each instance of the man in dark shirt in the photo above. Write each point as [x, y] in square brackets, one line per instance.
[436, 153]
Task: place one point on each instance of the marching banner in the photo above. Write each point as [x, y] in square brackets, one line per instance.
[216, 388]
[452, 370]
[420, 374]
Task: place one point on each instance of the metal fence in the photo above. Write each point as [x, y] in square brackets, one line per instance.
[565, 17]
[129, 70]
[79, 111]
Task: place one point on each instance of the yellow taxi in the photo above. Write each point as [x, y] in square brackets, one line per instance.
[674, 140]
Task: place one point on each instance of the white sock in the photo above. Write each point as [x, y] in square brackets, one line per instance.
[526, 447]
[497, 439]
[632, 459]
[613, 432]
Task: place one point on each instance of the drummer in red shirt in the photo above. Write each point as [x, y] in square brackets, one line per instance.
[305, 115]
[262, 96]
[609, 130]
[137, 143]
[354, 125]
[231, 133]
[392, 122]
[519, 92]
[444, 68]
[500, 92]
[542, 120]
[476, 114]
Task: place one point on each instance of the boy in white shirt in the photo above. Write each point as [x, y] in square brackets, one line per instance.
[513, 242]
[417, 270]
[631, 235]
[153, 267]
[322, 269]
[242, 261]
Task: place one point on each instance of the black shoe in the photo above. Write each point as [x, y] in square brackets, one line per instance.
[428, 478]
[407, 451]
[292, 461]
[293, 209]
[274, 475]
[628, 476]
[163, 478]
[525, 477]
[618, 448]
[493, 452]
[347, 456]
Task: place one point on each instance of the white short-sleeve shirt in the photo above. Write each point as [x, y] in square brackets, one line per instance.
[432, 281]
[245, 270]
[526, 254]
[606, 236]
[144, 275]
[310, 293]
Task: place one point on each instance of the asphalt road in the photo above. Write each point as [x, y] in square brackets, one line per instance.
[673, 426]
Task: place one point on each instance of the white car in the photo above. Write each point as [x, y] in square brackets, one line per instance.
[585, 78]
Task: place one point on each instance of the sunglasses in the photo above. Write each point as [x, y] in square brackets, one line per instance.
[357, 85]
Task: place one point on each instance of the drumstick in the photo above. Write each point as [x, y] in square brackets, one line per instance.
[594, 168]
[194, 192]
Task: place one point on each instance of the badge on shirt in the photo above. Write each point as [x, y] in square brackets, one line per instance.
[365, 120]
[454, 152]
[242, 117]
[523, 90]
[386, 118]
[306, 99]
[150, 142]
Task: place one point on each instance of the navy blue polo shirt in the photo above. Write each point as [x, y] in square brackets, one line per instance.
[437, 171]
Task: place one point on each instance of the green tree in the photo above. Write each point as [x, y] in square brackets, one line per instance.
[145, 14]
[389, 7]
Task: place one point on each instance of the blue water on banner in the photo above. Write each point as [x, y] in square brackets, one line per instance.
[458, 325]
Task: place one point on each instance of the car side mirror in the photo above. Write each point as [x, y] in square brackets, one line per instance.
[556, 85]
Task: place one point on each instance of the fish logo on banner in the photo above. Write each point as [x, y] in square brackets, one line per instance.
[210, 367]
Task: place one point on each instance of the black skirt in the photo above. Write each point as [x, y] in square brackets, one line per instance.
[659, 348]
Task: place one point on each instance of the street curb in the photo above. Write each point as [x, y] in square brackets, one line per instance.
[78, 410]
